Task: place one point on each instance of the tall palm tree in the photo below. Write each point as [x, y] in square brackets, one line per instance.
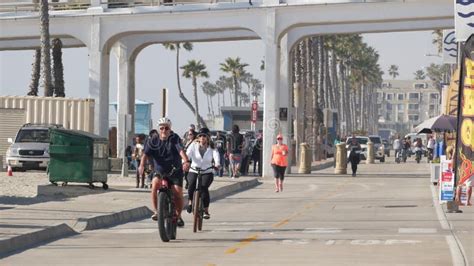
[45, 48]
[194, 70]
[420, 74]
[438, 40]
[257, 87]
[209, 89]
[224, 83]
[234, 67]
[35, 73]
[58, 70]
[177, 47]
[393, 71]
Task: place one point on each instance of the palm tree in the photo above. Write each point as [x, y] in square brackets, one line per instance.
[393, 71]
[45, 48]
[235, 68]
[210, 90]
[35, 73]
[224, 83]
[58, 69]
[257, 87]
[176, 47]
[438, 40]
[420, 75]
[193, 70]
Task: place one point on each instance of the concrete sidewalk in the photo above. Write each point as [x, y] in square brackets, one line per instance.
[316, 165]
[43, 219]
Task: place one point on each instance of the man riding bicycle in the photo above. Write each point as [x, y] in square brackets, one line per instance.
[167, 153]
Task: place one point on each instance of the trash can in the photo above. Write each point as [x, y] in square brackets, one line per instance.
[77, 156]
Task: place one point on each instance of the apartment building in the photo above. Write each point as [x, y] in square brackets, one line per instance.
[403, 104]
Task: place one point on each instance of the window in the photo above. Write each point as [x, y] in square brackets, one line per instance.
[389, 96]
[400, 117]
[401, 107]
[434, 96]
[379, 106]
[401, 96]
[388, 117]
[413, 118]
[420, 85]
[414, 96]
[389, 106]
[386, 85]
[413, 106]
[432, 108]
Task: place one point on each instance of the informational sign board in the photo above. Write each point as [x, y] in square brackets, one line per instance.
[464, 19]
[446, 180]
[254, 111]
[450, 47]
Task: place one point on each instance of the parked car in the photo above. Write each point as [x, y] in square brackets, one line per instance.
[363, 145]
[378, 147]
[30, 148]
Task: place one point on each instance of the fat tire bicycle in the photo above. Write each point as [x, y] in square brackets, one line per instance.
[198, 204]
[167, 218]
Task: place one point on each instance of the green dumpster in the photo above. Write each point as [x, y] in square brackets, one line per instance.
[77, 156]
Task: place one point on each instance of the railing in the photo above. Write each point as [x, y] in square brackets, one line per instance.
[34, 5]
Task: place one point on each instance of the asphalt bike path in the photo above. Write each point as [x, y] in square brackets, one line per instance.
[384, 216]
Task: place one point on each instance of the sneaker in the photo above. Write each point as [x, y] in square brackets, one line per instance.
[180, 222]
[189, 208]
[206, 215]
[154, 217]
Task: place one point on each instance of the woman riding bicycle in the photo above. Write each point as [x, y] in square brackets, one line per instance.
[202, 155]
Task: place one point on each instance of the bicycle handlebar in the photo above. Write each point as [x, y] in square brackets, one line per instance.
[202, 170]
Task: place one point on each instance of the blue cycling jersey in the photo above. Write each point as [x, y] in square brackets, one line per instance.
[165, 153]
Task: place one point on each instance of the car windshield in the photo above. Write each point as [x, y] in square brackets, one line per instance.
[360, 140]
[33, 135]
[375, 140]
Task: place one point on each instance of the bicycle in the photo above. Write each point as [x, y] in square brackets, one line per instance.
[167, 218]
[198, 205]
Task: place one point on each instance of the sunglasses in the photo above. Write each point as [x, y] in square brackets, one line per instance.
[165, 128]
[279, 138]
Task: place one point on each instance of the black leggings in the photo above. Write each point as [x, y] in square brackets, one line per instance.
[206, 180]
[279, 171]
[354, 168]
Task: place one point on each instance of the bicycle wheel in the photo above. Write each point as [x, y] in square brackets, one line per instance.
[196, 208]
[165, 216]
[201, 214]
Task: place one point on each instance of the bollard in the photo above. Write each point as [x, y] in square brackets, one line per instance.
[341, 159]
[305, 159]
[370, 153]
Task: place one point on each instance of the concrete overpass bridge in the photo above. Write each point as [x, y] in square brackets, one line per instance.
[126, 31]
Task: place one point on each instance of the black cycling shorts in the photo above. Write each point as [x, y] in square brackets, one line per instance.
[175, 179]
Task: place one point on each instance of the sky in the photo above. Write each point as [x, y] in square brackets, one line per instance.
[155, 68]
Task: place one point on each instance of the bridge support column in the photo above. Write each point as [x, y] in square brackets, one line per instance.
[99, 81]
[271, 122]
[286, 96]
[125, 98]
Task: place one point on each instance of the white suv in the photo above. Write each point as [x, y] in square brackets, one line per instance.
[30, 149]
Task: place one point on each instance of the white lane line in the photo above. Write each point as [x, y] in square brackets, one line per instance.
[417, 230]
[456, 254]
[330, 242]
[322, 230]
[439, 211]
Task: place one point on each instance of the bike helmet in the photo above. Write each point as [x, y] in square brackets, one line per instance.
[204, 131]
[164, 121]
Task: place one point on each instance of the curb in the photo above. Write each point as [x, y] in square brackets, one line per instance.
[32, 239]
[322, 166]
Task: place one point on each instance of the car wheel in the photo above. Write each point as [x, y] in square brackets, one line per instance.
[382, 160]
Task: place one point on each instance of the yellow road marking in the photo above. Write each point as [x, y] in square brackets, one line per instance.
[250, 239]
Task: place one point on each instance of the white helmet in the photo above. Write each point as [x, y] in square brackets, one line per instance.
[164, 121]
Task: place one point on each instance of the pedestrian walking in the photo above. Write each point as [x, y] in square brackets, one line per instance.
[136, 156]
[235, 144]
[257, 155]
[279, 161]
[354, 158]
[220, 143]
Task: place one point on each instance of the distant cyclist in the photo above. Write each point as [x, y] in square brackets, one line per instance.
[203, 156]
[167, 153]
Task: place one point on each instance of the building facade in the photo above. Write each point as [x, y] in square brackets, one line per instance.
[403, 104]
